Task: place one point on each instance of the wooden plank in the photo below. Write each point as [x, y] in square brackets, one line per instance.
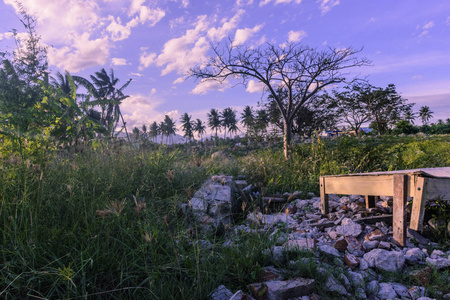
[324, 209]
[380, 185]
[375, 219]
[438, 188]
[370, 201]
[399, 211]
[419, 202]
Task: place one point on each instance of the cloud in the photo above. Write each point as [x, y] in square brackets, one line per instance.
[417, 77]
[255, 87]
[296, 36]
[242, 35]
[118, 31]
[209, 85]
[119, 61]
[264, 2]
[144, 14]
[424, 33]
[146, 59]
[429, 25]
[184, 52]
[6, 35]
[372, 20]
[326, 5]
[82, 54]
[447, 22]
[243, 2]
[217, 34]
[184, 3]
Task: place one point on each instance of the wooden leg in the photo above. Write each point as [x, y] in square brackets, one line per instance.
[418, 209]
[399, 211]
[370, 201]
[323, 197]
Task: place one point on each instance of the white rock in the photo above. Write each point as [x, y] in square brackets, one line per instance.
[438, 254]
[385, 260]
[344, 200]
[332, 285]
[438, 263]
[401, 290]
[349, 227]
[329, 250]
[370, 245]
[386, 292]
[356, 279]
[414, 256]
[373, 287]
[198, 204]
[221, 293]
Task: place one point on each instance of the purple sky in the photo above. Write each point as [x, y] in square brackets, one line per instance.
[156, 42]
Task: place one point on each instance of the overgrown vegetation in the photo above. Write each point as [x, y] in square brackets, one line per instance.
[105, 222]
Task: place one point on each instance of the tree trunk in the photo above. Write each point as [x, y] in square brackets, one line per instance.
[287, 139]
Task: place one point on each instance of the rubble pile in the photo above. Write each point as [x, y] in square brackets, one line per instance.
[350, 237]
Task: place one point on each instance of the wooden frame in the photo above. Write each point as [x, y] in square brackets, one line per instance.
[421, 184]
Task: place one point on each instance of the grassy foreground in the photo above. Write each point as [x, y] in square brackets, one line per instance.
[105, 223]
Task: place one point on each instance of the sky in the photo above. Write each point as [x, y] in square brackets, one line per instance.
[156, 42]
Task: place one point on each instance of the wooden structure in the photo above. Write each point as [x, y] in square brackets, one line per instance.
[421, 184]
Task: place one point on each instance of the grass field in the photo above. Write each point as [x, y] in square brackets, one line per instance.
[105, 222]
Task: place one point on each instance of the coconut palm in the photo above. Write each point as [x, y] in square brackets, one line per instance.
[229, 120]
[170, 127]
[187, 126]
[108, 96]
[136, 133]
[153, 131]
[248, 118]
[199, 128]
[425, 114]
[410, 117]
[144, 131]
[214, 121]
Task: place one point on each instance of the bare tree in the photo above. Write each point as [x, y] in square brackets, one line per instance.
[298, 69]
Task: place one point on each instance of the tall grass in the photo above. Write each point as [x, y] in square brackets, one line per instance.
[105, 223]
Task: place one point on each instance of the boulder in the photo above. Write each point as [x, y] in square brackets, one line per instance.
[415, 256]
[221, 293]
[282, 290]
[386, 292]
[391, 261]
[349, 227]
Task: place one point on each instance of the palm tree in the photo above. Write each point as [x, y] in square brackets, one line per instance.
[162, 130]
[262, 120]
[199, 128]
[229, 120]
[425, 114]
[214, 121]
[410, 117]
[187, 126]
[153, 131]
[136, 133]
[144, 131]
[248, 118]
[103, 88]
[170, 127]
[62, 82]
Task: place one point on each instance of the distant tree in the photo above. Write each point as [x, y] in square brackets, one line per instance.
[170, 127]
[154, 130]
[136, 133]
[144, 131]
[200, 128]
[299, 70]
[214, 121]
[425, 114]
[163, 130]
[410, 117]
[261, 121]
[248, 119]
[229, 121]
[187, 125]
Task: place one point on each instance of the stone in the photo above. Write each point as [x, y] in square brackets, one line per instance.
[344, 279]
[241, 183]
[344, 200]
[386, 292]
[341, 245]
[416, 292]
[354, 246]
[351, 260]
[401, 290]
[198, 204]
[370, 245]
[384, 245]
[375, 235]
[300, 244]
[438, 254]
[372, 287]
[282, 290]
[221, 293]
[328, 250]
[412, 234]
[240, 295]
[356, 279]
[360, 293]
[363, 264]
[436, 223]
[438, 263]
[349, 227]
[391, 261]
[425, 298]
[414, 256]
[302, 204]
[332, 285]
